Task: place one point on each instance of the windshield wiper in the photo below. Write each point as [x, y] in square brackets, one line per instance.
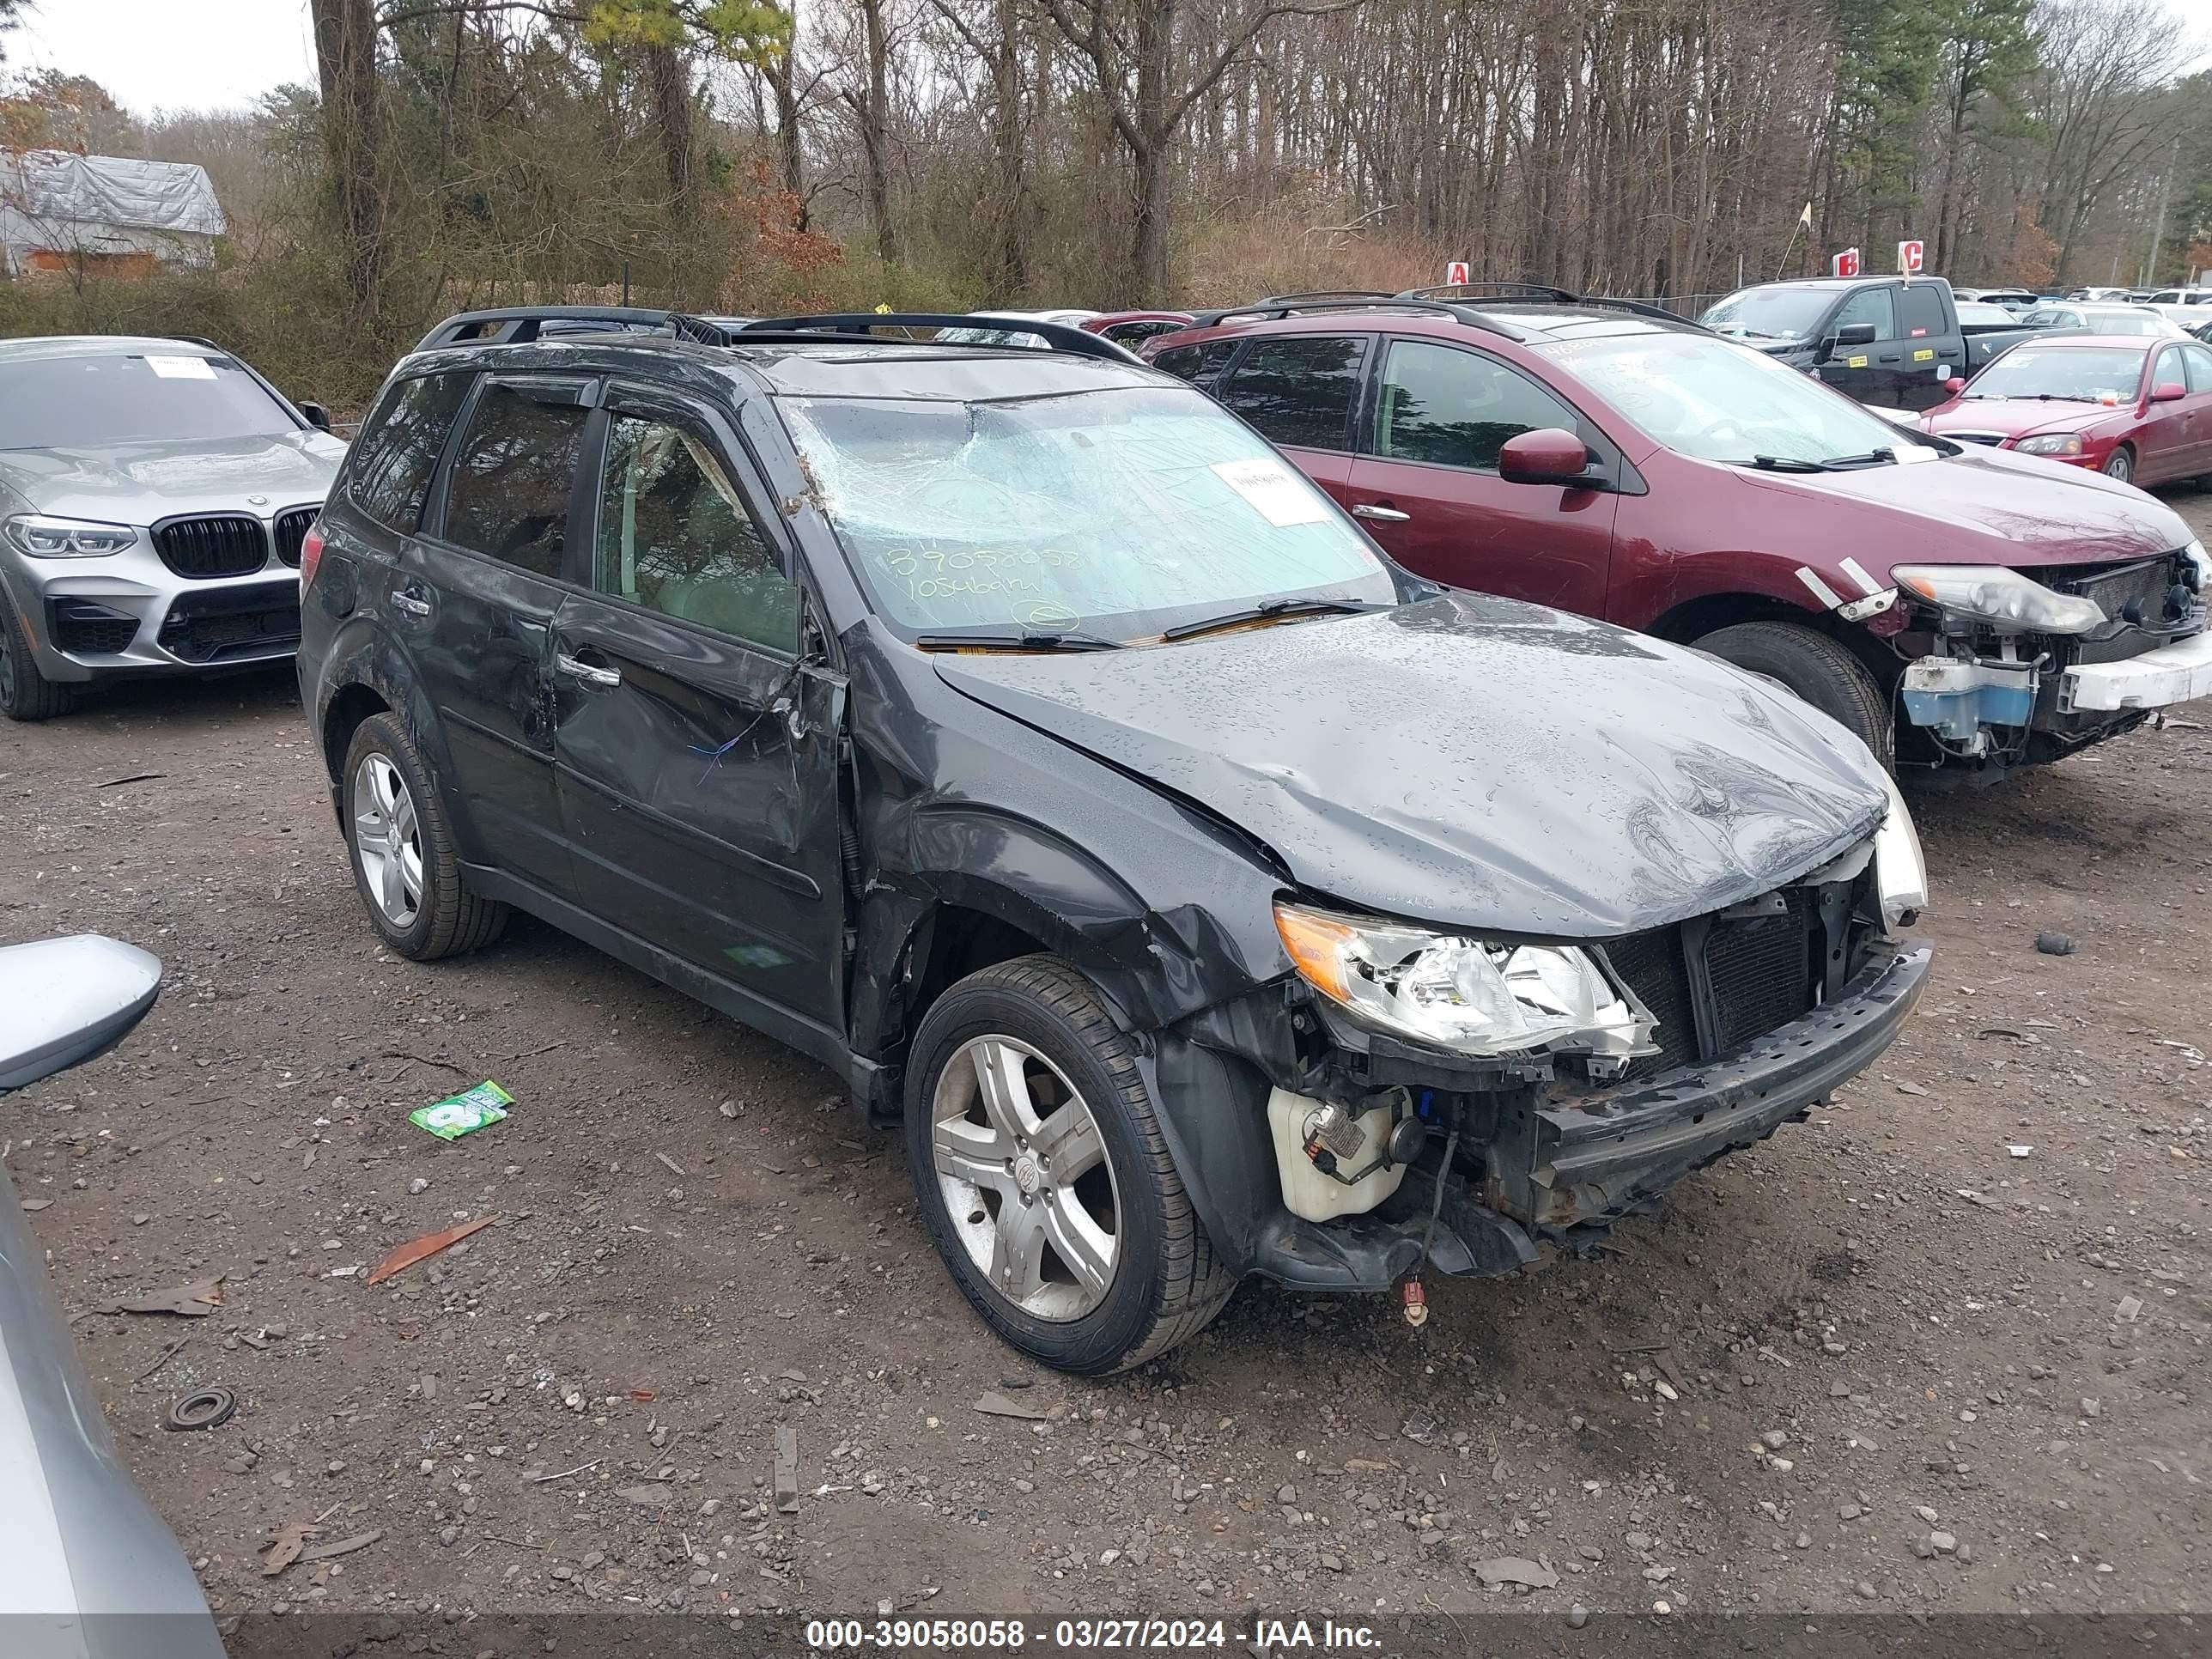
[1030, 640]
[1271, 609]
[1787, 464]
[1884, 457]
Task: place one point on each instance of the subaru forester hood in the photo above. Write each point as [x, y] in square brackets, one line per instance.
[139, 482]
[1470, 760]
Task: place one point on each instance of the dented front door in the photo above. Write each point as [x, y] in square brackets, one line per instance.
[696, 749]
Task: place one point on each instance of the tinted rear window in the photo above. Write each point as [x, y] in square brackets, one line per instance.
[1198, 364]
[508, 496]
[388, 472]
[141, 397]
[1298, 391]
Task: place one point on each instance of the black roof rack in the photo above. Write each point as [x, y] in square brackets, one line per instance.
[1530, 293]
[1296, 305]
[1058, 337]
[518, 325]
[1490, 291]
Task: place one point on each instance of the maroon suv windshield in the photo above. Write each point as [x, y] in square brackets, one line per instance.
[1723, 402]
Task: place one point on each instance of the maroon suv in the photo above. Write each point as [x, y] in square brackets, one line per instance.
[1966, 611]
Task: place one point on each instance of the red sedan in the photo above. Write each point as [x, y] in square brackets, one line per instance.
[2137, 410]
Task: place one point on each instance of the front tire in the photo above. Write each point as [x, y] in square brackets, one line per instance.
[1043, 1178]
[1817, 670]
[26, 695]
[2120, 464]
[401, 846]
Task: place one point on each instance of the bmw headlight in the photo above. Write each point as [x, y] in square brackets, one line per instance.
[1474, 995]
[2050, 443]
[1900, 872]
[1990, 593]
[67, 539]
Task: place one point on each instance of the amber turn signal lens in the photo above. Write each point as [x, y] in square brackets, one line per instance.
[1316, 945]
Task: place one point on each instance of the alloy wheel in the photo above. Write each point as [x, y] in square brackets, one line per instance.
[388, 839]
[2119, 466]
[1026, 1178]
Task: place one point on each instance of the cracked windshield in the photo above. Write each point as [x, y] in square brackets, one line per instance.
[1120, 513]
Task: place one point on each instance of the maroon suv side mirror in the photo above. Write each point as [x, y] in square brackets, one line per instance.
[2168, 392]
[1549, 455]
[1955, 384]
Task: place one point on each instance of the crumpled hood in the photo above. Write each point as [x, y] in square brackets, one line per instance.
[138, 482]
[1994, 507]
[1471, 761]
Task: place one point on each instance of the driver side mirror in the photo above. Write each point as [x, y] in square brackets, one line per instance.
[1851, 334]
[318, 416]
[1546, 455]
[1955, 384]
[2168, 392]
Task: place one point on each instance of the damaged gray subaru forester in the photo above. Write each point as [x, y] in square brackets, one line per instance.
[1016, 732]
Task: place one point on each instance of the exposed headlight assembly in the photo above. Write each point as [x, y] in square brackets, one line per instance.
[67, 539]
[2198, 563]
[1468, 994]
[2004, 598]
[1901, 873]
[2050, 443]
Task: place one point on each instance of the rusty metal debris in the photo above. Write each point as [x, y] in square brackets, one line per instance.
[1515, 1570]
[201, 1297]
[997, 1405]
[429, 1244]
[291, 1539]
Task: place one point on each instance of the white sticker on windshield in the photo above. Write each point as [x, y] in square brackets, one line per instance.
[1278, 495]
[182, 368]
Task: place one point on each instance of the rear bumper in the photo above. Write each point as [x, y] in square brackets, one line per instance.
[2172, 674]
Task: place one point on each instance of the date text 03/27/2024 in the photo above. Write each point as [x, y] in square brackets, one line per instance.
[1083, 1635]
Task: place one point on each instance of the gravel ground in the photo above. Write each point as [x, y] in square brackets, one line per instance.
[1942, 1349]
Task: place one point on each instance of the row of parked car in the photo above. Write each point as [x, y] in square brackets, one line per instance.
[1389, 782]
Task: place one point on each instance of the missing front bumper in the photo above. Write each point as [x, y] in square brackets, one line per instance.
[1591, 1163]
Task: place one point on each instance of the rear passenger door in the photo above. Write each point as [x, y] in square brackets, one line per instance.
[696, 742]
[476, 605]
[1923, 354]
[1299, 391]
[1426, 485]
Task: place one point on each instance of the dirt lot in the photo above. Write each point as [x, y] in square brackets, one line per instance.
[1887, 1324]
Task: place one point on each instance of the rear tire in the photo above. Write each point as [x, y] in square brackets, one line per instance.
[400, 844]
[1817, 670]
[26, 695]
[1023, 1228]
[2120, 465]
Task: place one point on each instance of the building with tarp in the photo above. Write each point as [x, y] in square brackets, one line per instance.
[109, 214]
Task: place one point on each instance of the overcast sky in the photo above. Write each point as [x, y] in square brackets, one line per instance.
[169, 54]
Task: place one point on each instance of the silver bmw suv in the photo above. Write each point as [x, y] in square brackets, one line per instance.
[152, 496]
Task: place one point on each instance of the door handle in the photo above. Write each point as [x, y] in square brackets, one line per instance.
[589, 673]
[1892, 357]
[1380, 515]
[411, 601]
